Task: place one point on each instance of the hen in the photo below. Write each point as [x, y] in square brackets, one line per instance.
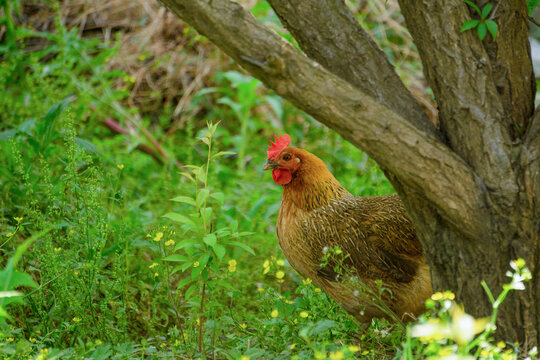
[377, 240]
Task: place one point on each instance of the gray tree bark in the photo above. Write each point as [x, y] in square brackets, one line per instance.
[472, 187]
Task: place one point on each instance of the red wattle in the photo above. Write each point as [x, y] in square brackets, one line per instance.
[281, 176]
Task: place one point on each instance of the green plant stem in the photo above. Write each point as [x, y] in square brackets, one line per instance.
[201, 311]
[201, 318]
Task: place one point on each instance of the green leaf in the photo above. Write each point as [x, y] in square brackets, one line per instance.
[222, 153]
[177, 268]
[222, 283]
[219, 196]
[207, 213]
[323, 326]
[185, 266]
[531, 5]
[184, 199]
[21, 279]
[220, 251]
[185, 243]
[86, 145]
[210, 240]
[203, 260]
[183, 283]
[240, 245]
[179, 218]
[486, 10]
[473, 5]
[176, 258]
[3, 313]
[195, 272]
[492, 28]
[190, 291]
[45, 130]
[202, 196]
[482, 31]
[469, 24]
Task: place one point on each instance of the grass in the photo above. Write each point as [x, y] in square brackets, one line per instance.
[111, 253]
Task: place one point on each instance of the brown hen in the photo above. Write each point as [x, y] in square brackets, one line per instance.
[377, 239]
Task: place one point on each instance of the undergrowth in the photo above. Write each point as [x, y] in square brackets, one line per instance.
[109, 250]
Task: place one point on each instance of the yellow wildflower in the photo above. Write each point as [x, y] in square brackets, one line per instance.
[169, 243]
[244, 357]
[338, 251]
[260, 289]
[280, 262]
[196, 264]
[266, 264]
[10, 339]
[120, 166]
[76, 319]
[153, 265]
[58, 249]
[176, 342]
[306, 281]
[232, 266]
[9, 234]
[243, 325]
[446, 351]
[353, 348]
[437, 296]
[292, 346]
[158, 236]
[18, 219]
[274, 313]
[338, 355]
[449, 295]
[304, 314]
[232, 263]
[156, 274]
[317, 290]
[280, 274]
[320, 355]
[71, 232]
[501, 344]
[99, 342]
[32, 340]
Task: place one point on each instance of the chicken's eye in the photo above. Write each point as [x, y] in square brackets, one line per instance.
[287, 157]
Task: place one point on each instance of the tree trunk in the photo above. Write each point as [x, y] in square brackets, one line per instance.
[472, 186]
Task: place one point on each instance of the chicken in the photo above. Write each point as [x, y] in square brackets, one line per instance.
[377, 240]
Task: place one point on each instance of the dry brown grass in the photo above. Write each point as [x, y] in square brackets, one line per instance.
[166, 60]
[169, 63]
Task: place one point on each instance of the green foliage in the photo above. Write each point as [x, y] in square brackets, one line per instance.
[532, 5]
[112, 268]
[484, 24]
[446, 330]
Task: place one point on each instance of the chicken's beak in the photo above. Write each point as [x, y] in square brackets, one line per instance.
[270, 164]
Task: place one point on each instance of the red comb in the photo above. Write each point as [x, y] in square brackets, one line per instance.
[280, 143]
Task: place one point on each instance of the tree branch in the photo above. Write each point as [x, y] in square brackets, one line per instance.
[328, 32]
[420, 161]
[459, 72]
